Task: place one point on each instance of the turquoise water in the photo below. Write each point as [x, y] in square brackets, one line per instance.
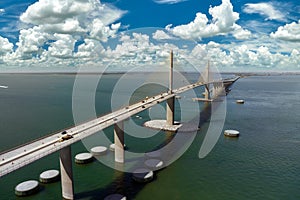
[263, 163]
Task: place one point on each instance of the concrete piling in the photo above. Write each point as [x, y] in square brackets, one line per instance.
[119, 142]
[67, 185]
[49, 176]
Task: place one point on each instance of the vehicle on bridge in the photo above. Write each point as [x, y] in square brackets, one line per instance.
[65, 136]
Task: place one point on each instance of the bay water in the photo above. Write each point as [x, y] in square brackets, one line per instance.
[263, 163]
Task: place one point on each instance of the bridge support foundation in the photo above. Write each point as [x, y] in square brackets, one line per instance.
[170, 111]
[119, 142]
[65, 159]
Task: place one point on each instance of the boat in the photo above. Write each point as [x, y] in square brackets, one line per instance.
[3, 86]
[240, 101]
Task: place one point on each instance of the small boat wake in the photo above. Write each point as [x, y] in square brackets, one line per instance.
[3, 86]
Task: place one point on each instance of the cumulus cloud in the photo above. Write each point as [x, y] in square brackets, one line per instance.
[161, 35]
[30, 42]
[223, 22]
[90, 49]
[69, 26]
[56, 26]
[54, 11]
[240, 33]
[59, 33]
[70, 16]
[140, 49]
[168, 1]
[132, 46]
[295, 57]
[137, 49]
[5, 46]
[63, 47]
[288, 32]
[242, 57]
[267, 10]
[100, 31]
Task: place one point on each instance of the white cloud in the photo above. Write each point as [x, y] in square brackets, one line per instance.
[71, 16]
[115, 26]
[168, 1]
[100, 31]
[137, 49]
[240, 33]
[63, 47]
[259, 26]
[54, 11]
[5, 46]
[161, 35]
[30, 42]
[242, 57]
[223, 22]
[265, 9]
[69, 26]
[90, 49]
[288, 32]
[56, 26]
[2, 11]
[295, 57]
[62, 35]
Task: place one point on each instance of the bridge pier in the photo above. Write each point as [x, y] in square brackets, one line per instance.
[171, 101]
[170, 111]
[119, 142]
[65, 160]
[207, 91]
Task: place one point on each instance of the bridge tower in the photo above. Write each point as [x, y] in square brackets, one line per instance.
[207, 91]
[170, 101]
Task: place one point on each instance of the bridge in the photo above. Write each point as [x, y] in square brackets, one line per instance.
[23, 155]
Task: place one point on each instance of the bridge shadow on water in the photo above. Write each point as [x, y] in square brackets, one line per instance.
[123, 182]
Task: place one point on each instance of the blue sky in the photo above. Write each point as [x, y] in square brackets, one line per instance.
[235, 35]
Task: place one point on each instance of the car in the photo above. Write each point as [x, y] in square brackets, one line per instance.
[65, 137]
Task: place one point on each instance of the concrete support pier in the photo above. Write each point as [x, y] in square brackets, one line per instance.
[171, 101]
[170, 111]
[207, 92]
[65, 159]
[119, 142]
[169, 124]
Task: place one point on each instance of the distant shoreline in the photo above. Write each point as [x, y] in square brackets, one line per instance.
[242, 74]
[245, 74]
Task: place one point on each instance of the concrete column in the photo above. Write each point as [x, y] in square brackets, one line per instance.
[171, 74]
[119, 142]
[170, 111]
[171, 101]
[65, 159]
[207, 92]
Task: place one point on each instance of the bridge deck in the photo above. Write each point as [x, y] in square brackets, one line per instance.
[26, 154]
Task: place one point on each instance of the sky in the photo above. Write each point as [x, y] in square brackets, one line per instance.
[240, 35]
